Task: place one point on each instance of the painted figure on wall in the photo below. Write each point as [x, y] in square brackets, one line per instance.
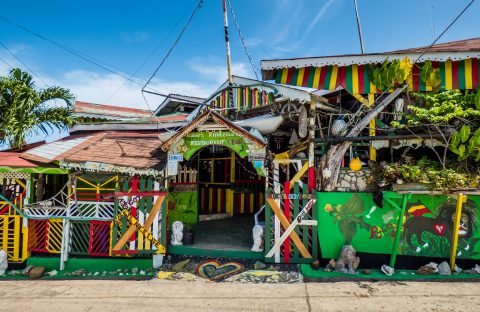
[349, 217]
[431, 233]
[426, 227]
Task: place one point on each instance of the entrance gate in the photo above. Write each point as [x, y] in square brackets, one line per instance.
[290, 218]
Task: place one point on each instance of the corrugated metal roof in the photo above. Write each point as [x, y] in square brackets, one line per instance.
[13, 160]
[173, 101]
[465, 45]
[130, 149]
[84, 109]
[455, 50]
[50, 151]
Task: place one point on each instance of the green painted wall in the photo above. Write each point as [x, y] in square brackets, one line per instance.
[426, 226]
[182, 206]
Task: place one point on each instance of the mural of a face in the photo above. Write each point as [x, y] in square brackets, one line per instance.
[463, 229]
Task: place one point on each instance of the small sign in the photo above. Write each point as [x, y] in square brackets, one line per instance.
[253, 157]
[257, 164]
[290, 196]
[172, 168]
[175, 157]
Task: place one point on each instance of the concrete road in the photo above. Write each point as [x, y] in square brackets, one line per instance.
[162, 295]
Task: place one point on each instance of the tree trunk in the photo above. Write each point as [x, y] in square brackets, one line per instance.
[333, 158]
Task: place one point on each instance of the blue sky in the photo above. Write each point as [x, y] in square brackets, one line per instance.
[123, 33]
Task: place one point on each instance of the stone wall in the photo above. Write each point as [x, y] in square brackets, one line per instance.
[352, 181]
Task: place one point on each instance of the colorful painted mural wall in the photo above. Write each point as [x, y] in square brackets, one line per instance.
[355, 218]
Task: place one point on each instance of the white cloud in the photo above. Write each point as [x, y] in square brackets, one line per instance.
[139, 36]
[98, 88]
[253, 42]
[321, 12]
[216, 72]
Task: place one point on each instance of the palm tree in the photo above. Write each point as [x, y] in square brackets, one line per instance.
[23, 108]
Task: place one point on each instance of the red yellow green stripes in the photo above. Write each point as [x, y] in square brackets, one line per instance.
[462, 74]
[244, 98]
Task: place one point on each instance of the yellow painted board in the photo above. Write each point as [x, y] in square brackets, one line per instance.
[210, 198]
[457, 218]
[242, 203]
[299, 174]
[251, 203]
[16, 238]
[448, 75]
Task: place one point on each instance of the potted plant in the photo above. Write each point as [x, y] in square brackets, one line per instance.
[188, 233]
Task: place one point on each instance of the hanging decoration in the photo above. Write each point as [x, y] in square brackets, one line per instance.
[355, 164]
[302, 122]
[339, 127]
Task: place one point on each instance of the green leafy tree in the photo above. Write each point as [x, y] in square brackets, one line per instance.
[464, 145]
[23, 108]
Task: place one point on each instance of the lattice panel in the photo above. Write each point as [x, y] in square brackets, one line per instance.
[99, 241]
[89, 209]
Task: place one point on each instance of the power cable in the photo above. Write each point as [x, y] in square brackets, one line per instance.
[174, 43]
[143, 91]
[6, 63]
[255, 69]
[23, 63]
[151, 53]
[87, 58]
[74, 52]
[445, 30]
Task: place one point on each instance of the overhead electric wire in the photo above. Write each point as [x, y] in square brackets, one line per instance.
[199, 5]
[6, 63]
[242, 40]
[85, 57]
[151, 53]
[22, 62]
[74, 52]
[445, 30]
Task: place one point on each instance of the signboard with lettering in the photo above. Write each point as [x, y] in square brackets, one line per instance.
[175, 157]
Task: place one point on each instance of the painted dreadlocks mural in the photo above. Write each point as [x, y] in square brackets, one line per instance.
[370, 225]
[428, 232]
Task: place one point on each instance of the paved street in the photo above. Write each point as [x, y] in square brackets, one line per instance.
[161, 295]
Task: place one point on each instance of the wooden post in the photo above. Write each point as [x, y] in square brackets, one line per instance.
[312, 181]
[277, 190]
[373, 151]
[399, 230]
[456, 225]
[286, 208]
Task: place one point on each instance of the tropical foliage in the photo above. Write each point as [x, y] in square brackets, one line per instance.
[23, 108]
[465, 145]
[431, 173]
[443, 108]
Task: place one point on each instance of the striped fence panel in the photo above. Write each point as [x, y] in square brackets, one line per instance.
[247, 202]
[213, 200]
[38, 235]
[79, 237]
[99, 240]
[11, 237]
[45, 235]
